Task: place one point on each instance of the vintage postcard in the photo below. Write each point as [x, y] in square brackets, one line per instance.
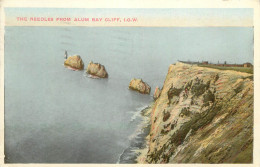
[124, 85]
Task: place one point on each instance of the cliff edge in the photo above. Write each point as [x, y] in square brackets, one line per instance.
[202, 115]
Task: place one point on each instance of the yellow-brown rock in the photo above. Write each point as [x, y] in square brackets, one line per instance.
[140, 86]
[97, 70]
[157, 93]
[202, 115]
[74, 62]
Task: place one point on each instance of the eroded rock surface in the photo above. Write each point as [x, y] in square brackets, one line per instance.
[97, 70]
[202, 115]
[74, 62]
[157, 93]
[140, 86]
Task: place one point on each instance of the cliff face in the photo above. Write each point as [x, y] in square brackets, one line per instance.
[203, 115]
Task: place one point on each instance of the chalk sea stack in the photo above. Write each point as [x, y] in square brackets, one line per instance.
[140, 86]
[157, 93]
[74, 62]
[97, 70]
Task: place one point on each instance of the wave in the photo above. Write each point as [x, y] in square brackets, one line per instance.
[137, 113]
[137, 140]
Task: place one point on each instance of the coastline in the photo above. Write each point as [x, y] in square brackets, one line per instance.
[146, 126]
[139, 142]
[197, 108]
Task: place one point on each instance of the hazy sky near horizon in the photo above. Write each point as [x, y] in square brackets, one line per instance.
[146, 16]
[231, 39]
[162, 44]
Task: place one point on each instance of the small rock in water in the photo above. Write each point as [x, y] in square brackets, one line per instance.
[75, 62]
[157, 93]
[97, 70]
[140, 86]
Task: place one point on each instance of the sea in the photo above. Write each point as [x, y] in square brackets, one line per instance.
[57, 115]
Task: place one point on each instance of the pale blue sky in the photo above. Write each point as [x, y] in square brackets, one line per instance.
[218, 44]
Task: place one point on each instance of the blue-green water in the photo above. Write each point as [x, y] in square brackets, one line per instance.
[55, 115]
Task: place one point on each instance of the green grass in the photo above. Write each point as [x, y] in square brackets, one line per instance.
[240, 69]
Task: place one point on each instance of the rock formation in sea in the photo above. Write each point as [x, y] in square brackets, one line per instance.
[140, 86]
[202, 115]
[74, 62]
[157, 93]
[97, 70]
